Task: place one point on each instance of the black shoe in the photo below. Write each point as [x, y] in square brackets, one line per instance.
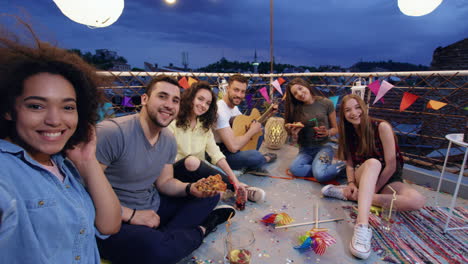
[218, 216]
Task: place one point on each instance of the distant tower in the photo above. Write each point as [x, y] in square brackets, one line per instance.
[255, 63]
[185, 60]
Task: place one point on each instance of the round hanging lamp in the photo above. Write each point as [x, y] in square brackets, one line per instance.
[418, 7]
[93, 13]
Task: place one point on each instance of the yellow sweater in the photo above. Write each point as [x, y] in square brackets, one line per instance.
[195, 142]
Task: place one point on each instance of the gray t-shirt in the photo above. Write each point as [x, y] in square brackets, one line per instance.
[315, 114]
[133, 164]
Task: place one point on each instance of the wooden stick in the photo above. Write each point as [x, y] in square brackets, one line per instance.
[228, 229]
[309, 223]
[316, 215]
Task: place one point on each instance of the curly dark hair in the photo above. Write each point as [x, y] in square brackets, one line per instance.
[186, 106]
[19, 62]
[293, 107]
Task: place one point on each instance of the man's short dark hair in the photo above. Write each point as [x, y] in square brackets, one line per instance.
[161, 78]
[238, 77]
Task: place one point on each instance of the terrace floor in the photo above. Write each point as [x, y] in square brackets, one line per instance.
[297, 198]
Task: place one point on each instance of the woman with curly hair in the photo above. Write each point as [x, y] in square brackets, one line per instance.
[194, 137]
[374, 167]
[48, 109]
[316, 119]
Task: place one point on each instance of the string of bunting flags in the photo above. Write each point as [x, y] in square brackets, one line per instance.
[186, 83]
[378, 88]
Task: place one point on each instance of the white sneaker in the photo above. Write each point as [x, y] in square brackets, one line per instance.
[238, 173]
[255, 194]
[360, 244]
[334, 191]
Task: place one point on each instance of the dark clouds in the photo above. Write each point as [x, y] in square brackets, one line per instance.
[307, 32]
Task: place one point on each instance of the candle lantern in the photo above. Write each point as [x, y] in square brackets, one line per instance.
[275, 134]
[359, 88]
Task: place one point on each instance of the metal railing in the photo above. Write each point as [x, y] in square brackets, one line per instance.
[421, 131]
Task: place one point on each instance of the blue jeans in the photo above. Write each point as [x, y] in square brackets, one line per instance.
[316, 162]
[250, 159]
[177, 236]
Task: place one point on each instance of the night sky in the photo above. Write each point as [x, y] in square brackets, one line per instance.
[306, 32]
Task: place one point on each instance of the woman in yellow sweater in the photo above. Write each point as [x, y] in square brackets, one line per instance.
[192, 130]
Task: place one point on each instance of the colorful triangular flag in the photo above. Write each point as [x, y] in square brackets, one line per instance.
[191, 81]
[183, 83]
[265, 95]
[436, 105]
[407, 100]
[375, 87]
[334, 99]
[127, 101]
[248, 99]
[384, 88]
[277, 86]
[281, 80]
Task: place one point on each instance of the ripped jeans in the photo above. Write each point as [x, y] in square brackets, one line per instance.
[316, 162]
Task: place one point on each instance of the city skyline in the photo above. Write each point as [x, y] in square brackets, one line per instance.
[306, 32]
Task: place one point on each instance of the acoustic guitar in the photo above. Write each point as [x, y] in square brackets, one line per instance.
[241, 123]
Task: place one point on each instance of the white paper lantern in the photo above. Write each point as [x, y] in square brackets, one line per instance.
[359, 88]
[93, 13]
[418, 7]
[222, 86]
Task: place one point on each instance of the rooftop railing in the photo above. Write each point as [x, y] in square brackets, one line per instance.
[420, 130]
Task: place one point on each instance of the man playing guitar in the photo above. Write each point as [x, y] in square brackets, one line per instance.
[230, 145]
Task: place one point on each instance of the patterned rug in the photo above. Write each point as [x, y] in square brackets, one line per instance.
[417, 236]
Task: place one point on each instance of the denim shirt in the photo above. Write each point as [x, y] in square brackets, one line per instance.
[43, 220]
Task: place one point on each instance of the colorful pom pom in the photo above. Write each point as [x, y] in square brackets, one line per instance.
[277, 219]
[316, 240]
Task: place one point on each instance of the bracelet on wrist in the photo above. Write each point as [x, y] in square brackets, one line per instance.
[353, 181]
[187, 190]
[131, 217]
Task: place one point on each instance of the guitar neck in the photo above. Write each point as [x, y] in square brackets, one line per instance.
[263, 118]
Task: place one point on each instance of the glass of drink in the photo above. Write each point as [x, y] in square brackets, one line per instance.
[389, 214]
[309, 126]
[239, 245]
[241, 198]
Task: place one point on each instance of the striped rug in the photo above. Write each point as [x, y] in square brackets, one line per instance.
[417, 236]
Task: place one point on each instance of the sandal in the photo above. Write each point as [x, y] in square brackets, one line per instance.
[270, 155]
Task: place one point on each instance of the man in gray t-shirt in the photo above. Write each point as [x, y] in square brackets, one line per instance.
[163, 218]
[133, 164]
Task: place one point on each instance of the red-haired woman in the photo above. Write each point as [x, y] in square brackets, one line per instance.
[373, 164]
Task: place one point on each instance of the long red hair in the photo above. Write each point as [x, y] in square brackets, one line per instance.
[364, 134]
